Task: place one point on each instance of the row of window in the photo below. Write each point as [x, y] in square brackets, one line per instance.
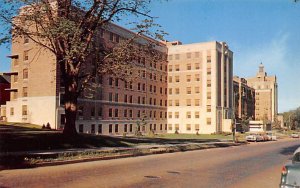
[187, 103]
[24, 110]
[115, 128]
[188, 115]
[188, 78]
[196, 66]
[115, 112]
[188, 90]
[187, 127]
[187, 55]
[140, 86]
[25, 75]
[129, 99]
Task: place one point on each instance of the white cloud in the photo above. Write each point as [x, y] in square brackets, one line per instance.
[278, 59]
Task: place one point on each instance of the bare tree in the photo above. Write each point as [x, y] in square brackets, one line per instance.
[69, 29]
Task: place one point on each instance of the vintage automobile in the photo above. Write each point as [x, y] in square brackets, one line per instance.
[271, 136]
[255, 137]
[295, 135]
[290, 175]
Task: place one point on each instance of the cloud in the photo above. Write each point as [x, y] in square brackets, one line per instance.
[278, 59]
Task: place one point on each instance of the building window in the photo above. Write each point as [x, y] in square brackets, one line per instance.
[170, 115]
[116, 97]
[80, 111]
[197, 66]
[170, 79]
[25, 92]
[110, 112]
[197, 77]
[208, 121]
[188, 90]
[177, 56]
[125, 112]
[26, 39]
[130, 99]
[176, 102]
[177, 79]
[125, 128]
[208, 108]
[116, 112]
[116, 128]
[170, 68]
[93, 111]
[130, 128]
[188, 55]
[111, 36]
[26, 56]
[208, 59]
[197, 90]
[188, 127]
[208, 95]
[188, 102]
[170, 102]
[25, 73]
[170, 127]
[177, 115]
[189, 66]
[170, 91]
[110, 128]
[117, 82]
[130, 113]
[188, 78]
[188, 115]
[110, 96]
[93, 128]
[197, 115]
[177, 68]
[197, 127]
[197, 102]
[15, 78]
[177, 91]
[80, 128]
[125, 98]
[100, 129]
[110, 81]
[24, 110]
[177, 127]
[11, 111]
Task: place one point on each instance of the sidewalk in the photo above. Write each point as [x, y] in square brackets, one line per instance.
[68, 156]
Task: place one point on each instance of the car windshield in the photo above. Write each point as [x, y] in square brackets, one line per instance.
[296, 157]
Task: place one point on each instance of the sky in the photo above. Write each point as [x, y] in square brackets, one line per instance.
[266, 31]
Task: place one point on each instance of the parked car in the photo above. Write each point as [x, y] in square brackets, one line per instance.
[290, 175]
[295, 135]
[255, 137]
[271, 136]
[265, 137]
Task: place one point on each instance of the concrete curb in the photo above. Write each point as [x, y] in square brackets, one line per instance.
[113, 153]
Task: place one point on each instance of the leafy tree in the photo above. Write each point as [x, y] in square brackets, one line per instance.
[69, 30]
[245, 123]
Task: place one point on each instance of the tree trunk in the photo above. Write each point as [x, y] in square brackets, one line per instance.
[71, 96]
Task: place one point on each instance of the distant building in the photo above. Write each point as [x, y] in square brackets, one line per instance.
[200, 97]
[4, 94]
[266, 95]
[4, 85]
[244, 99]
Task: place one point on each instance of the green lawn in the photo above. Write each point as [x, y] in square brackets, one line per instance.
[27, 137]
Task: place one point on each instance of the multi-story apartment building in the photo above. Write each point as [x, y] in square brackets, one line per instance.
[244, 99]
[200, 96]
[266, 95]
[4, 95]
[37, 93]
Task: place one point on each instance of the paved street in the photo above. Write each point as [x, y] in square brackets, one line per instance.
[253, 165]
